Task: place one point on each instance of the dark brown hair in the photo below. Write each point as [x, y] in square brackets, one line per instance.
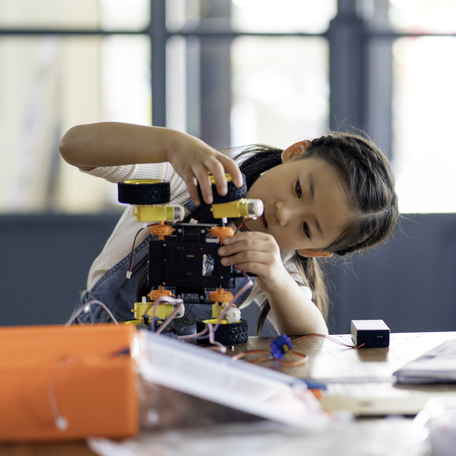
[369, 184]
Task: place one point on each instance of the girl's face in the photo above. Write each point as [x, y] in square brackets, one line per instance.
[305, 204]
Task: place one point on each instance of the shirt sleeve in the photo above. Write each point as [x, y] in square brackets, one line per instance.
[160, 171]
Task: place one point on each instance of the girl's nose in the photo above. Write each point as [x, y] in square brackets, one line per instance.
[285, 213]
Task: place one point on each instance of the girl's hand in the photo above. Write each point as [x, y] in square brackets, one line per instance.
[256, 253]
[194, 161]
[259, 254]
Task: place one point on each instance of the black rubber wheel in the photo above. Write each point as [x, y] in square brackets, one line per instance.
[227, 334]
[143, 192]
[234, 193]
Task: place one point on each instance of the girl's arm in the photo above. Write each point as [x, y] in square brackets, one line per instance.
[259, 254]
[113, 144]
[295, 312]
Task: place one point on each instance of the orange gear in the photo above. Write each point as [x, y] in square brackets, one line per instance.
[220, 295]
[221, 232]
[155, 294]
[161, 230]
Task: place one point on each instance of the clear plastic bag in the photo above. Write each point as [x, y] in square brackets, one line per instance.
[186, 385]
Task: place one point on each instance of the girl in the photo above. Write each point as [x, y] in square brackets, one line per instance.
[334, 194]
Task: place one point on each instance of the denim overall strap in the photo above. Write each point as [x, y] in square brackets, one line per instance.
[114, 289]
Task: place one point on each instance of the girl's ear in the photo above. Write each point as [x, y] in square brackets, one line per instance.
[314, 253]
[295, 149]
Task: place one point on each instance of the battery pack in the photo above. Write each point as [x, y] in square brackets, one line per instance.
[370, 333]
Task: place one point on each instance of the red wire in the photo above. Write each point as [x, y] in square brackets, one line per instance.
[281, 361]
[133, 247]
[291, 363]
[332, 339]
[133, 250]
[240, 226]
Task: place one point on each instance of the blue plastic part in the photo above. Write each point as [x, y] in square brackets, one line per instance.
[280, 346]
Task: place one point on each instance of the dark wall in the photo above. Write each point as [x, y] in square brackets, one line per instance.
[410, 282]
[44, 264]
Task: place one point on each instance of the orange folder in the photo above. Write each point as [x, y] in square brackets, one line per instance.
[67, 383]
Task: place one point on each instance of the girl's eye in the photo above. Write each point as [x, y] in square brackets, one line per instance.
[305, 227]
[298, 189]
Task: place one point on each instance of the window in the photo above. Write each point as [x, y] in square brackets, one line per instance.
[424, 69]
[52, 81]
[219, 70]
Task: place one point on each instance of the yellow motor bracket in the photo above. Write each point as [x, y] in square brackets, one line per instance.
[240, 208]
[158, 213]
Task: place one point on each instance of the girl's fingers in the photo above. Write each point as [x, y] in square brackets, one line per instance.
[218, 171]
[250, 250]
[200, 165]
[204, 181]
[231, 167]
[265, 274]
[193, 191]
[248, 241]
[254, 253]
[248, 257]
[218, 167]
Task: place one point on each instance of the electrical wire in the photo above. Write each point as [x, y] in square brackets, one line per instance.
[242, 223]
[155, 305]
[197, 335]
[270, 356]
[61, 423]
[170, 318]
[210, 328]
[88, 304]
[244, 288]
[215, 344]
[130, 268]
[251, 352]
[209, 333]
[303, 360]
[332, 339]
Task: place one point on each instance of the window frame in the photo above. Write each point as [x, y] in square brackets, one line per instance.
[353, 68]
